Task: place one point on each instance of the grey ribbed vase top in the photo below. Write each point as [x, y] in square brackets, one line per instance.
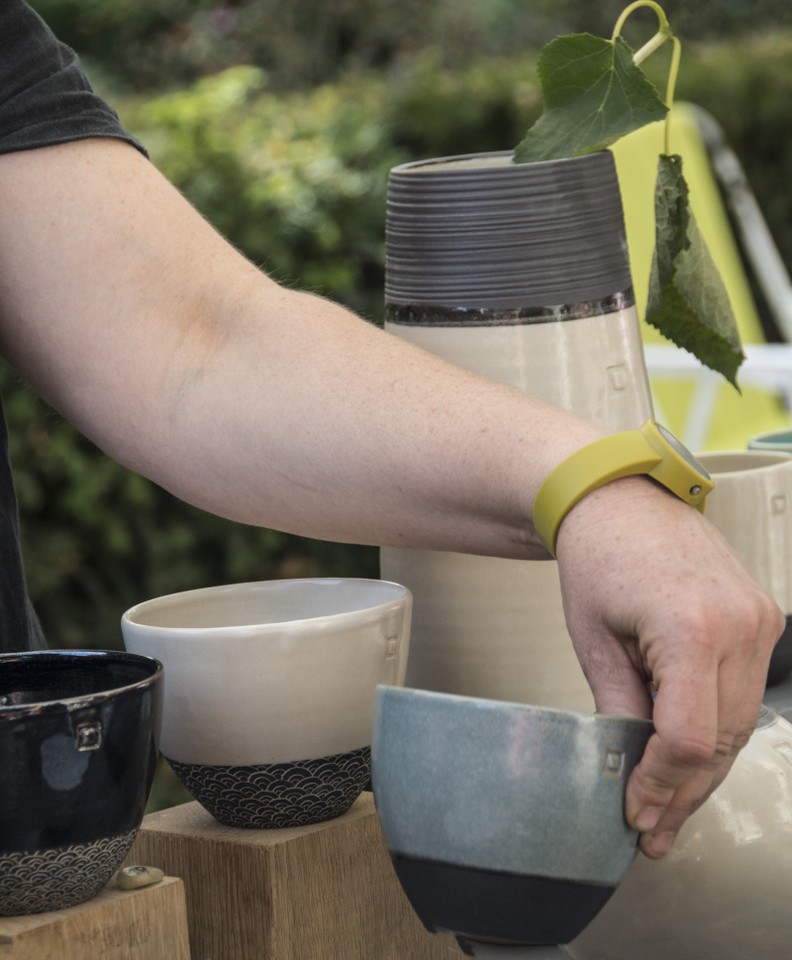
[483, 232]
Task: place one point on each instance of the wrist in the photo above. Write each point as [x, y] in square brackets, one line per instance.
[650, 450]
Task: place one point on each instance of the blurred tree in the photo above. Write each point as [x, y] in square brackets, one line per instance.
[156, 44]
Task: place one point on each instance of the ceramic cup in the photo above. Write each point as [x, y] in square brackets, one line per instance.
[270, 691]
[505, 822]
[722, 893]
[775, 441]
[752, 507]
[78, 747]
[520, 272]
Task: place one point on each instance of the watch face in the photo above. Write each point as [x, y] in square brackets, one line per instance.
[682, 450]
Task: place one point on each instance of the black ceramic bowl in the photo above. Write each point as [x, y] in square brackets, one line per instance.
[78, 744]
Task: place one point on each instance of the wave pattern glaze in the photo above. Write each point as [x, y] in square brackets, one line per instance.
[278, 794]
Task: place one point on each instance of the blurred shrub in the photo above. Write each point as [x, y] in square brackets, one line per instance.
[295, 181]
[154, 44]
[298, 180]
[157, 44]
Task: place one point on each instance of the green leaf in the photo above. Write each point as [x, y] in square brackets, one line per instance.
[593, 95]
[688, 302]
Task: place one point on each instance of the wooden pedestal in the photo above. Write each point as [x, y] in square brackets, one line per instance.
[145, 924]
[324, 892]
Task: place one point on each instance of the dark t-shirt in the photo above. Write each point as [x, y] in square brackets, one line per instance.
[45, 99]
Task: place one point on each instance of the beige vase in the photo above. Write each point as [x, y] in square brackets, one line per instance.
[722, 893]
[518, 272]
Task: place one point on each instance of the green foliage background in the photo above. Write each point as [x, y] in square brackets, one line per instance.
[281, 129]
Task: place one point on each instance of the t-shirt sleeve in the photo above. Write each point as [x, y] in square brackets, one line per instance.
[45, 97]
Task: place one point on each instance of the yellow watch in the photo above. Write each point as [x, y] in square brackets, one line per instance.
[650, 450]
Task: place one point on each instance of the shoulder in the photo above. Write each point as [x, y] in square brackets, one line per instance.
[45, 96]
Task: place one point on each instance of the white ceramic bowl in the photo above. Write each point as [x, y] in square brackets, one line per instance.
[269, 690]
[505, 822]
[724, 891]
[751, 505]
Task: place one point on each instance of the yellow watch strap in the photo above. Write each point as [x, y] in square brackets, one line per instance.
[619, 455]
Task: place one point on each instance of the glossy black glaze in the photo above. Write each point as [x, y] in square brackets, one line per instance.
[78, 746]
[496, 906]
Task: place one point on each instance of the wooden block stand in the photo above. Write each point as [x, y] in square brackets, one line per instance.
[324, 892]
[145, 924]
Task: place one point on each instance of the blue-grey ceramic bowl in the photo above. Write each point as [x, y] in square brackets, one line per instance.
[505, 822]
[78, 746]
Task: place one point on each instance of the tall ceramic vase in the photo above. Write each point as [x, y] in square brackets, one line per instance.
[519, 272]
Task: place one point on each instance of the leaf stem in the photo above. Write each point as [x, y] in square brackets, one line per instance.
[676, 55]
[662, 18]
[649, 48]
[662, 36]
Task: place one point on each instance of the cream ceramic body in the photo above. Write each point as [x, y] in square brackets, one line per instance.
[495, 628]
[272, 672]
[723, 892]
[751, 505]
[592, 365]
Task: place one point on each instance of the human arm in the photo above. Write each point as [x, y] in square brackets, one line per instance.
[180, 359]
[127, 312]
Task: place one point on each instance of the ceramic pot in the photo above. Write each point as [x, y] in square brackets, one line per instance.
[519, 272]
[722, 893]
[751, 505]
[78, 747]
[270, 692]
[774, 441]
[505, 822]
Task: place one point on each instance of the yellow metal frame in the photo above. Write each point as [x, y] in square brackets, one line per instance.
[734, 417]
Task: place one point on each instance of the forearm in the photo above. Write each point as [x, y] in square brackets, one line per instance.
[183, 361]
[364, 437]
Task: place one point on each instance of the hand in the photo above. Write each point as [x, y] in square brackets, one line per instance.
[667, 624]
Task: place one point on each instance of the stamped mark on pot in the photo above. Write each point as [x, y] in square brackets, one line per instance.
[88, 736]
[618, 378]
[613, 763]
[391, 647]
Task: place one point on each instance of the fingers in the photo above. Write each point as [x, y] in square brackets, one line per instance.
[704, 713]
[674, 611]
[681, 754]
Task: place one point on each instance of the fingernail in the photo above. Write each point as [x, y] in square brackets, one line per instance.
[648, 818]
[661, 844]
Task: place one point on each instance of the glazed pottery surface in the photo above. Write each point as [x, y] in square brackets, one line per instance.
[723, 891]
[776, 441]
[78, 747]
[751, 505]
[270, 690]
[505, 822]
[519, 272]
